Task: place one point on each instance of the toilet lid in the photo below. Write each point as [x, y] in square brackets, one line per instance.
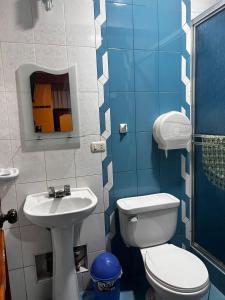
[176, 268]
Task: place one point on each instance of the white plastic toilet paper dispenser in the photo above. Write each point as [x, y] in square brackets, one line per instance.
[172, 130]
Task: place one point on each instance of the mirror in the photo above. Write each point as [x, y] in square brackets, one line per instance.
[48, 107]
[51, 102]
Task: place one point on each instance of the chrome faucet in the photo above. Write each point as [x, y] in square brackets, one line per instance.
[52, 193]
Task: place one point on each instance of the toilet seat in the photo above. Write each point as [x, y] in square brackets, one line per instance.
[176, 268]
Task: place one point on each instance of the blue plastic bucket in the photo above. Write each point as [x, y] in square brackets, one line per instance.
[106, 272]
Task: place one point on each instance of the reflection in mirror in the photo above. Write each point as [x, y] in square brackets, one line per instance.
[51, 102]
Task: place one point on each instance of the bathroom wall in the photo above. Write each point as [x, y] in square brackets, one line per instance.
[56, 39]
[143, 71]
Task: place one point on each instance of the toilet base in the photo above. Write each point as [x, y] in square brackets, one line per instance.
[150, 294]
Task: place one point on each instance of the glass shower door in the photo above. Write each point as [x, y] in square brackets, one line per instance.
[208, 213]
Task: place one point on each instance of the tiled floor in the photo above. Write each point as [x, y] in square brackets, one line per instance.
[134, 290]
[139, 294]
[125, 295]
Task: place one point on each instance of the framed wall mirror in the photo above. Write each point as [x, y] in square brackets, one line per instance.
[48, 108]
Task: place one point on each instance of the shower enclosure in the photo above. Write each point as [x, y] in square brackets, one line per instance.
[208, 144]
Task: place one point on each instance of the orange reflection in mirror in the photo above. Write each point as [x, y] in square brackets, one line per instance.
[51, 102]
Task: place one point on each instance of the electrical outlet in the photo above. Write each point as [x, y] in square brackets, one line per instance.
[97, 147]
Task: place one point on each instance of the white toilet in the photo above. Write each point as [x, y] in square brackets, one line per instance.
[149, 222]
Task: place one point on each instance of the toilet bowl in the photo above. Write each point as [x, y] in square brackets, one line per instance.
[149, 222]
[175, 273]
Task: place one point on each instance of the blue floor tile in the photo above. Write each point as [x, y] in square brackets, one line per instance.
[89, 295]
[134, 289]
[125, 295]
[215, 294]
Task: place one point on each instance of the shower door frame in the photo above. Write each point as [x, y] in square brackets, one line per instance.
[196, 137]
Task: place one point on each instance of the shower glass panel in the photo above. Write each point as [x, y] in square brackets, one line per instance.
[208, 189]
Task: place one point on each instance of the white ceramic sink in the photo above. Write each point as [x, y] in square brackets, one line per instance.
[60, 212]
[60, 215]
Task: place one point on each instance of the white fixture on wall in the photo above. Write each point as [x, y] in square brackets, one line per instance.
[48, 4]
[8, 174]
[61, 215]
[33, 139]
[172, 130]
[174, 273]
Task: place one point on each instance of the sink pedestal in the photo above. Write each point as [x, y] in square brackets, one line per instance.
[65, 284]
[60, 214]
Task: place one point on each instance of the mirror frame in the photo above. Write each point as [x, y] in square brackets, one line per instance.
[36, 141]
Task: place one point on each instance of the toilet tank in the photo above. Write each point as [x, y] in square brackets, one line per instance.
[149, 220]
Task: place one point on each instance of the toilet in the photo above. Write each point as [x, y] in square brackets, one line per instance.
[149, 222]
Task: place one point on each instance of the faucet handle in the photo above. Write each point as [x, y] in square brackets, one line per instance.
[67, 190]
[51, 191]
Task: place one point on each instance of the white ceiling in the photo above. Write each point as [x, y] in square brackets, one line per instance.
[198, 6]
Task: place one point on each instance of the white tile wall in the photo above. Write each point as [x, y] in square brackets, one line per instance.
[13, 115]
[13, 248]
[60, 164]
[16, 22]
[86, 162]
[31, 166]
[6, 155]
[8, 196]
[59, 183]
[80, 23]
[49, 27]
[13, 55]
[85, 59]
[88, 107]
[35, 240]
[51, 56]
[4, 124]
[59, 38]
[92, 233]
[36, 290]
[1, 73]
[17, 284]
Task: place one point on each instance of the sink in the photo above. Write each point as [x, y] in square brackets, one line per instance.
[61, 215]
[60, 212]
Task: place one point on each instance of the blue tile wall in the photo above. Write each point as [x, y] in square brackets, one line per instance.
[170, 72]
[171, 35]
[145, 43]
[124, 152]
[169, 101]
[147, 152]
[145, 25]
[119, 25]
[122, 107]
[148, 181]
[147, 110]
[125, 184]
[120, 1]
[146, 70]
[121, 70]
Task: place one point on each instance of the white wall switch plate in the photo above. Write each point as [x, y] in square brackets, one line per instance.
[97, 147]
